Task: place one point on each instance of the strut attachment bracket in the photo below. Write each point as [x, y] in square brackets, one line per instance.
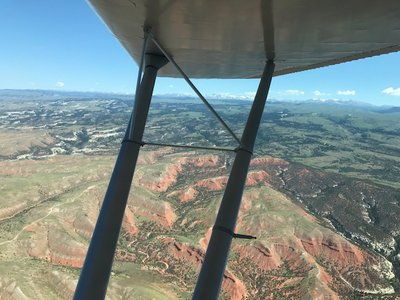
[234, 235]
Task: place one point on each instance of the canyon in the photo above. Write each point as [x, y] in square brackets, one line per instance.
[167, 225]
[322, 198]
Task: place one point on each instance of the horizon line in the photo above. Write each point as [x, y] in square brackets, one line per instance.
[213, 96]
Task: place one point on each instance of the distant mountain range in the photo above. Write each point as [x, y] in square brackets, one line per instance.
[215, 98]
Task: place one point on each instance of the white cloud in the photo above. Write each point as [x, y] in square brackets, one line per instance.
[227, 95]
[392, 91]
[250, 95]
[60, 84]
[171, 86]
[320, 94]
[346, 93]
[294, 92]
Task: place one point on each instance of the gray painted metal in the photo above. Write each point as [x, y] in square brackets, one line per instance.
[212, 271]
[233, 38]
[96, 270]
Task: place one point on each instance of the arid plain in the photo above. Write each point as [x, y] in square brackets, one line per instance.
[322, 200]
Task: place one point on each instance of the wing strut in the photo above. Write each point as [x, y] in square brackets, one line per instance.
[96, 270]
[209, 281]
[190, 83]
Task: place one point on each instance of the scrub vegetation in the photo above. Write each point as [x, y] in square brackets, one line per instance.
[322, 198]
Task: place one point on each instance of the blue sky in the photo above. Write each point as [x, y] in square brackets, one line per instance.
[62, 45]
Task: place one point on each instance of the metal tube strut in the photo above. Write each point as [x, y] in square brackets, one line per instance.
[140, 70]
[210, 278]
[96, 270]
[200, 95]
[129, 130]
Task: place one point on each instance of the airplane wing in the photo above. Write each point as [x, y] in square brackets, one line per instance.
[232, 38]
[224, 39]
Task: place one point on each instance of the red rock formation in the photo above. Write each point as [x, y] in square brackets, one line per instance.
[202, 161]
[160, 212]
[266, 259]
[128, 223]
[169, 214]
[194, 256]
[219, 183]
[339, 252]
[169, 176]
[184, 195]
[213, 184]
[267, 160]
[204, 241]
[57, 247]
[188, 195]
[297, 262]
[64, 251]
[233, 286]
[65, 260]
[256, 177]
[83, 226]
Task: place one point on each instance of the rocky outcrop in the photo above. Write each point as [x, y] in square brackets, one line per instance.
[166, 179]
[337, 251]
[231, 285]
[128, 223]
[169, 175]
[212, 184]
[268, 160]
[360, 211]
[188, 194]
[167, 226]
[265, 258]
[184, 195]
[219, 183]
[160, 212]
[57, 247]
